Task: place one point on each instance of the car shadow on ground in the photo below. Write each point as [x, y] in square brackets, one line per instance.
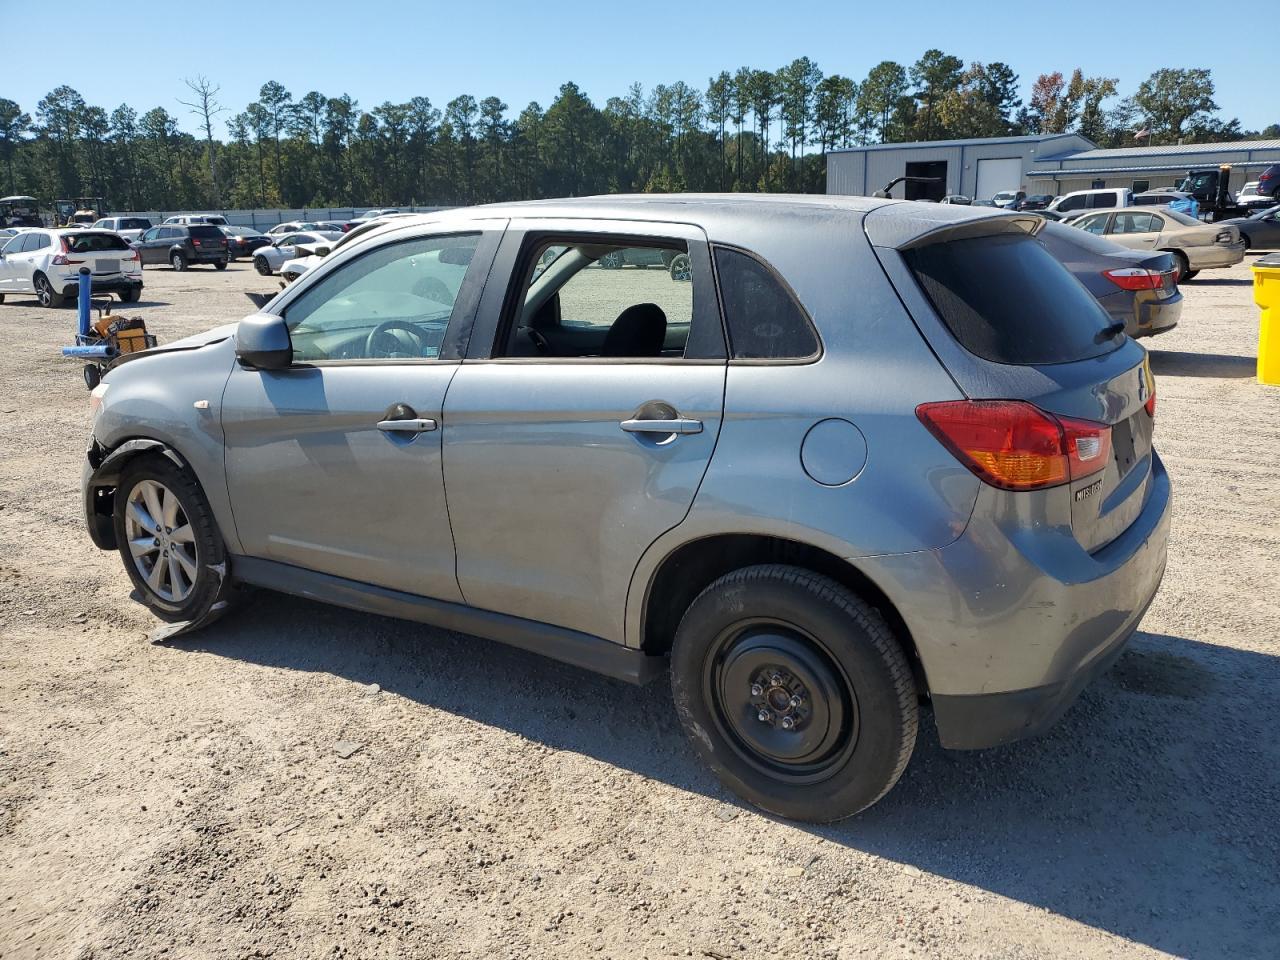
[1179, 363]
[1222, 282]
[1149, 812]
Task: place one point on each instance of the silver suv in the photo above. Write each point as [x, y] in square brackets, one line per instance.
[859, 455]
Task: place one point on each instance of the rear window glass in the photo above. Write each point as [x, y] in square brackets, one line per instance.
[134, 223]
[90, 242]
[765, 322]
[1008, 300]
[1182, 218]
[207, 231]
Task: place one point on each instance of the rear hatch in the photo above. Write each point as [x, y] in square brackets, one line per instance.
[1011, 324]
[101, 251]
[207, 238]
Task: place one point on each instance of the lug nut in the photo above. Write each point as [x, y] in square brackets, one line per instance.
[788, 723]
[795, 701]
[764, 716]
[776, 680]
[757, 690]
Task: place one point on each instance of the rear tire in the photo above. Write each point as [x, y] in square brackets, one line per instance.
[220, 265]
[178, 262]
[1184, 265]
[185, 545]
[131, 296]
[1248, 244]
[795, 692]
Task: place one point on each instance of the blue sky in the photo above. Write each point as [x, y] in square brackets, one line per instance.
[380, 50]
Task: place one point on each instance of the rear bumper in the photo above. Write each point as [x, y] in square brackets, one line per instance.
[1156, 316]
[1205, 258]
[1011, 625]
[115, 284]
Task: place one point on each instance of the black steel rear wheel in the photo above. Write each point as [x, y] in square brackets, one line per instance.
[795, 692]
[781, 701]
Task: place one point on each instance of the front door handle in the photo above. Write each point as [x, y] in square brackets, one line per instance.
[420, 425]
[678, 425]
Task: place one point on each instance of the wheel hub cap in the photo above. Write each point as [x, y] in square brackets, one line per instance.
[784, 701]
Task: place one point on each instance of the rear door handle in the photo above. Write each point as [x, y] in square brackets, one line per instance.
[678, 425]
[421, 425]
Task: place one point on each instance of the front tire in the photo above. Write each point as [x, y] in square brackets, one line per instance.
[168, 539]
[132, 295]
[795, 692]
[45, 293]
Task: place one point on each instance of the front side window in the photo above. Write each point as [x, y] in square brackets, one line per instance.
[393, 303]
[1072, 203]
[1096, 225]
[14, 244]
[765, 321]
[1107, 199]
[601, 299]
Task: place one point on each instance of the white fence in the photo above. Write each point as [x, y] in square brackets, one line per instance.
[263, 219]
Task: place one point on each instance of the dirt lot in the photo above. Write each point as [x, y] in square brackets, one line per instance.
[187, 800]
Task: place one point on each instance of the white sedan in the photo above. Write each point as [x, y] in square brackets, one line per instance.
[268, 260]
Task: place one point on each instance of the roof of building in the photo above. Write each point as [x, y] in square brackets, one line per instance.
[1067, 173]
[973, 141]
[1172, 149]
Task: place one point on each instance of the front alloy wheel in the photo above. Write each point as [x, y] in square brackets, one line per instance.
[161, 541]
[168, 539]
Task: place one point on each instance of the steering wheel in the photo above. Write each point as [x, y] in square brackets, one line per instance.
[384, 330]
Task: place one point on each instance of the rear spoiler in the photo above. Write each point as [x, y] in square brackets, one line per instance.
[902, 229]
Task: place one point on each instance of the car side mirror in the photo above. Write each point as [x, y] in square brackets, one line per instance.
[322, 251]
[262, 341]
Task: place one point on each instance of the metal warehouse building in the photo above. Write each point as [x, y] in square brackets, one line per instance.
[975, 168]
[1054, 164]
[1145, 168]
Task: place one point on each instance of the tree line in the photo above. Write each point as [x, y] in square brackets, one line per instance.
[747, 130]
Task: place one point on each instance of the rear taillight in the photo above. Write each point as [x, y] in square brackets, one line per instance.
[1015, 445]
[133, 255]
[1150, 405]
[1134, 278]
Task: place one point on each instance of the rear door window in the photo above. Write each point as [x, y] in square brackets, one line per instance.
[1102, 200]
[1008, 300]
[1134, 223]
[765, 320]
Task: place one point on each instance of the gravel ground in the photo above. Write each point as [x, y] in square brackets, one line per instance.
[188, 800]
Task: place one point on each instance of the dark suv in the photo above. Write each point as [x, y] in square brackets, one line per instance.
[1269, 182]
[181, 245]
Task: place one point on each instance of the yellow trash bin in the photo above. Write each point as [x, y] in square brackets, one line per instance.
[1266, 294]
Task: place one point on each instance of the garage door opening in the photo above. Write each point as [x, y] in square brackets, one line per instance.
[935, 191]
[996, 176]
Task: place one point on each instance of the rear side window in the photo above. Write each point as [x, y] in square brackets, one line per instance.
[765, 321]
[1107, 199]
[1007, 299]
